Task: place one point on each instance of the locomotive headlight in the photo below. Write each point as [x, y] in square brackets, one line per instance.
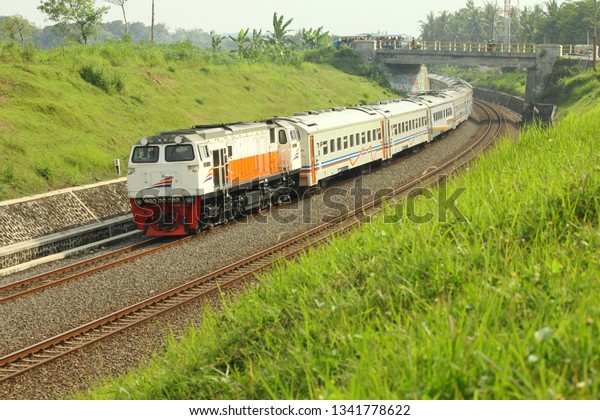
[139, 201]
[144, 141]
[178, 140]
[188, 200]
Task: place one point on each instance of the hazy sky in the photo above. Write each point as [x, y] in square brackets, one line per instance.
[339, 17]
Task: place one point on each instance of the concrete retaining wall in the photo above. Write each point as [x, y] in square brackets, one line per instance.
[514, 103]
[42, 225]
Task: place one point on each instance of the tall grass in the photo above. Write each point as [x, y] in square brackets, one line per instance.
[504, 306]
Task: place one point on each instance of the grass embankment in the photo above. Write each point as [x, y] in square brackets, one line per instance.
[505, 306]
[66, 114]
[513, 83]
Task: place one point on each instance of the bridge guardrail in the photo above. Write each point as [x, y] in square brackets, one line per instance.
[458, 46]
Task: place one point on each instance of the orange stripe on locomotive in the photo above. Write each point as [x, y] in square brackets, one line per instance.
[258, 166]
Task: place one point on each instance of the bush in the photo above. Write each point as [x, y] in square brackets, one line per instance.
[101, 79]
[28, 52]
[44, 171]
[345, 59]
[8, 175]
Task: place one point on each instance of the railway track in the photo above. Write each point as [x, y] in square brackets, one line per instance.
[21, 361]
[77, 270]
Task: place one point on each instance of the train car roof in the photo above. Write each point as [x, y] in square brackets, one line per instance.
[333, 118]
[206, 132]
[404, 106]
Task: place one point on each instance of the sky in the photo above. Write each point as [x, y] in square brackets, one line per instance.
[339, 17]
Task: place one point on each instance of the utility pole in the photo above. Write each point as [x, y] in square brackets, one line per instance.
[594, 53]
[152, 32]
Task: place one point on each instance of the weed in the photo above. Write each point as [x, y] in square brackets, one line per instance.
[44, 171]
[8, 175]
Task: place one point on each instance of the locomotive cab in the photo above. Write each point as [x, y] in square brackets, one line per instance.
[164, 184]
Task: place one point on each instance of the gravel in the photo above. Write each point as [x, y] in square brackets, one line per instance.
[47, 313]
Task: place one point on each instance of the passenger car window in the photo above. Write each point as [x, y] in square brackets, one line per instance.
[179, 153]
[145, 154]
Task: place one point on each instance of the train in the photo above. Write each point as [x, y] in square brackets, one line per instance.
[180, 182]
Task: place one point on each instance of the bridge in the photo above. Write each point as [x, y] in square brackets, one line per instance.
[404, 61]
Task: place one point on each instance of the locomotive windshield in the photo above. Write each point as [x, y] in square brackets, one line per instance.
[179, 153]
[145, 154]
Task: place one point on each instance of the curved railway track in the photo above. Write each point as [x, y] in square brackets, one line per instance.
[78, 270]
[21, 361]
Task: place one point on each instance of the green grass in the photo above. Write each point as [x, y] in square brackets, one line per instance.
[513, 83]
[505, 306]
[577, 94]
[65, 114]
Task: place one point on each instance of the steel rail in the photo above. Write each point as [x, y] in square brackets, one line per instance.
[44, 280]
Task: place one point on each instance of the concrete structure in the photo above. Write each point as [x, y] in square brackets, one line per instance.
[38, 226]
[409, 78]
[539, 61]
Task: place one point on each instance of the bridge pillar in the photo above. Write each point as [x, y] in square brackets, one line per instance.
[537, 77]
[365, 48]
[409, 78]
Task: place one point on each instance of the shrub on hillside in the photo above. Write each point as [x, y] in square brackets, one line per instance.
[101, 79]
[345, 59]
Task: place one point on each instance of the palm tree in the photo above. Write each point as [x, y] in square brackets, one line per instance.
[428, 27]
[550, 23]
[475, 21]
[527, 29]
[491, 20]
[444, 21]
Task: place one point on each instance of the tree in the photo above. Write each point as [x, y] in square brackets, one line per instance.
[257, 45]
[491, 20]
[216, 41]
[16, 26]
[528, 22]
[122, 4]
[428, 27]
[475, 22]
[312, 39]
[75, 18]
[280, 37]
[444, 21]
[240, 40]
